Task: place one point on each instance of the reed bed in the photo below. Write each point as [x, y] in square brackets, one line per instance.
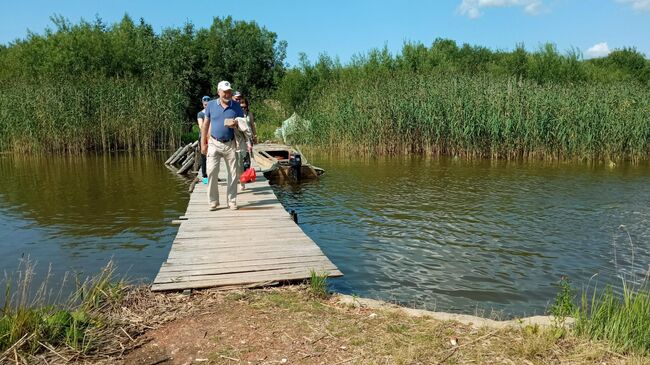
[478, 116]
[72, 115]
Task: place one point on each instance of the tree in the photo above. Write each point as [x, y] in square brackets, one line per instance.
[244, 53]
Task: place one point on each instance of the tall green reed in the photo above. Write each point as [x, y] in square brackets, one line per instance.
[103, 114]
[479, 116]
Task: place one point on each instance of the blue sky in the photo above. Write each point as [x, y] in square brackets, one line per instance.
[343, 28]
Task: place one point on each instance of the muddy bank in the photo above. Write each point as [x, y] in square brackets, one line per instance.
[289, 325]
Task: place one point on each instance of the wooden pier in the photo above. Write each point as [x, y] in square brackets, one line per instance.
[256, 245]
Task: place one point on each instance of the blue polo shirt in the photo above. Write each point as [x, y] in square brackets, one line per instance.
[218, 114]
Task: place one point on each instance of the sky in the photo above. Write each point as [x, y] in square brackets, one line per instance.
[345, 28]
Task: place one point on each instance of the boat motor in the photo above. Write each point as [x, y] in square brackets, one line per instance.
[296, 166]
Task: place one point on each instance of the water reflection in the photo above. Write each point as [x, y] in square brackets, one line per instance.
[436, 233]
[467, 236]
[79, 212]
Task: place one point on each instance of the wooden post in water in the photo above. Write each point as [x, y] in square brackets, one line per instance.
[185, 157]
[178, 151]
[181, 155]
[187, 163]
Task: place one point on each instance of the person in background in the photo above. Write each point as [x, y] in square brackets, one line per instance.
[245, 105]
[218, 131]
[199, 119]
[244, 138]
[237, 96]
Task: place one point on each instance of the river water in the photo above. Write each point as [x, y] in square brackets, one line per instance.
[440, 234]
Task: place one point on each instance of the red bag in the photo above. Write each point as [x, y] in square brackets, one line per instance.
[248, 176]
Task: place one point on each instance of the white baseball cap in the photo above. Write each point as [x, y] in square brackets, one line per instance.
[224, 85]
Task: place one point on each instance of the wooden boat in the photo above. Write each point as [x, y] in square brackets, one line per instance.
[279, 161]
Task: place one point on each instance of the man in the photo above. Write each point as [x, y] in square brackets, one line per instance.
[199, 119]
[221, 143]
[237, 96]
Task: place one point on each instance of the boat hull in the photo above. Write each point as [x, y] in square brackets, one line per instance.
[287, 173]
[284, 163]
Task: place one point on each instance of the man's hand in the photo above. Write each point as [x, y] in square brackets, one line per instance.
[204, 148]
[250, 148]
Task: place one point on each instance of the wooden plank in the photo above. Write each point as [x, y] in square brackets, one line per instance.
[232, 234]
[171, 267]
[293, 243]
[178, 151]
[234, 223]
[248, 212]
[181, 154]
[238, 230]
[238, 253]
[204, 208]
[247, 280]
[249, 244]
[253, 191]
[198, 259]
[247, 277]
[238, 280]
[318, 266]
[186, 164]
[254, 245]
[229, 235]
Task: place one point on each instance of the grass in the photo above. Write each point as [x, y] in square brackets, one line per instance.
[291, 323]
[623, 320]
[36, 320]
[318, 284]
[279, 323]
[478, 117]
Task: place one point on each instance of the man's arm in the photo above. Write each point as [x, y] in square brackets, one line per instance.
[204, 135]
[199, 119]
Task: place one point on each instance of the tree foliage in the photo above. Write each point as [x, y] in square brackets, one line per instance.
[546, 65]
[137, 84]
[242, 52]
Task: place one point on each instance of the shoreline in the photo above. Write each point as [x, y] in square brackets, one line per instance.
[465, 319]
[295, 324]
[289, 324]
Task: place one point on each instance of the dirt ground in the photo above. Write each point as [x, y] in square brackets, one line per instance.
[290, 326]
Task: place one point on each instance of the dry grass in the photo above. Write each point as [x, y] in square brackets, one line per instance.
[267, 326]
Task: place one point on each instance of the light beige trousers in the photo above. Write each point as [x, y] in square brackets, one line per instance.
[216, 151]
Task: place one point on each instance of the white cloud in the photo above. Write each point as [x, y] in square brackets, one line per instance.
[640, 5]
[598, 50]
[472, 8]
